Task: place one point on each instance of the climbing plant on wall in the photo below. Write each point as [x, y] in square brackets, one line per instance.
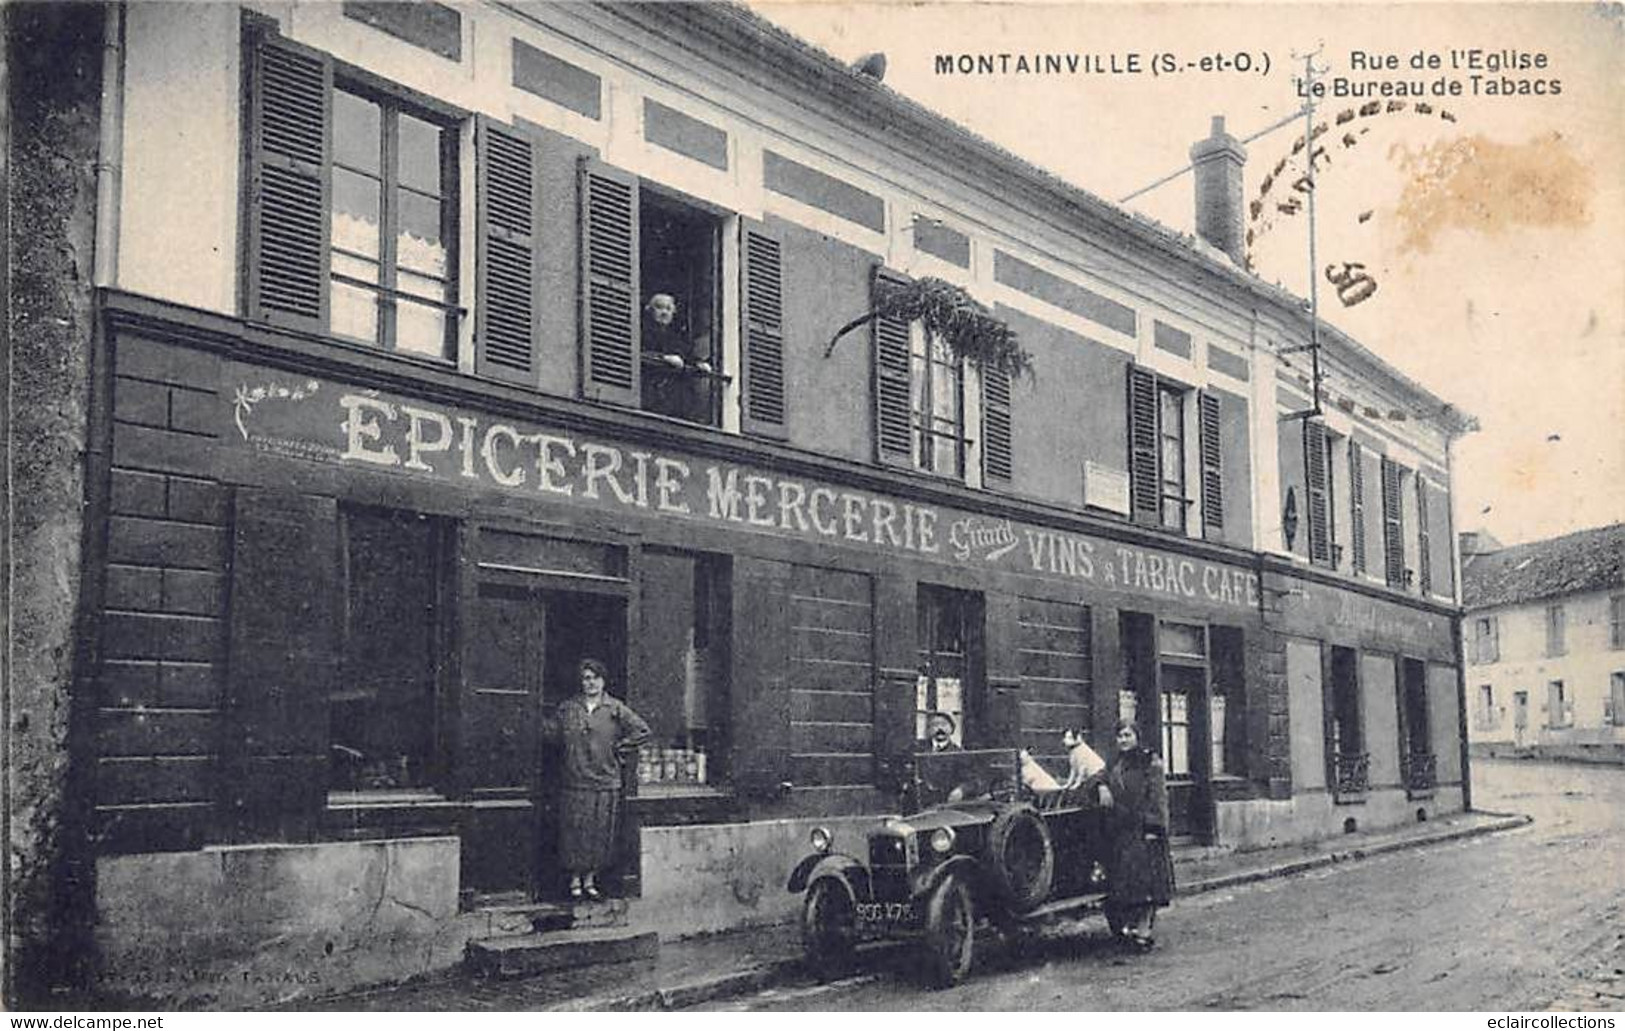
[966, 326]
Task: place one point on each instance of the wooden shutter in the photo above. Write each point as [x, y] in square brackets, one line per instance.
[1357, 505]
[507, 300]
[761, 691]
[894, 404]
[290, 97]
[610, 324]
[1314, 476]
[1145, 489]
[998, 456]
[504, 650]
[1424, 571]
[1393, 528]
[762, 331]
[283, 663]
[1207, 405]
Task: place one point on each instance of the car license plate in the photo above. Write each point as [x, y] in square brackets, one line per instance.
[886, 912]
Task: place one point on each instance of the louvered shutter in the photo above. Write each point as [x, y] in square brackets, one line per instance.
[1314, 474]
[1207, 405]
[1357, 505]
[1393, 528]
[610, 323]
[1424, 571]
[290, 97]
[762, 332]
[894, 407]
[1144, 488]
[998, 456]
[506, 302]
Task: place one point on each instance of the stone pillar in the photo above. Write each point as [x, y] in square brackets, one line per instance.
[53, 63]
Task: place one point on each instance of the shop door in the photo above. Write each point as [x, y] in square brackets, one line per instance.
[500, 740]
[1184, 748]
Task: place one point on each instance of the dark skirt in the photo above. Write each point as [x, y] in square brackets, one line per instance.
[587, 825]
[1142, 871]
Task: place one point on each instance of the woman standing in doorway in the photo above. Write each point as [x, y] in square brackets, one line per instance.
[597, 733]
[1142, 870]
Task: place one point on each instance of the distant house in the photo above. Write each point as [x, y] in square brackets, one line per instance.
[1544, 641]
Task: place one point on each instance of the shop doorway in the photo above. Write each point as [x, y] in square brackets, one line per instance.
[523, 645]
[1169, 697]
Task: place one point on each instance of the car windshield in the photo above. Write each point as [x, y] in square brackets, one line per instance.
[945, 777]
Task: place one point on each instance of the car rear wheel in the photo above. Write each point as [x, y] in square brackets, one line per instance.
[828, 929]
[950, 932]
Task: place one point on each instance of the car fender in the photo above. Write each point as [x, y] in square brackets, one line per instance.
[849, 871]
[965, 866]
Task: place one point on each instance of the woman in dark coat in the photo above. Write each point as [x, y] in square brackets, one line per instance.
[596, 732]
[1142, 871]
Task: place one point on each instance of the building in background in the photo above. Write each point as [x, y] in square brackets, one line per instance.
[384, 433]
[1544, 638]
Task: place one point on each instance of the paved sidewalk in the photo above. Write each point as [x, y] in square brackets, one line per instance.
[703, 969]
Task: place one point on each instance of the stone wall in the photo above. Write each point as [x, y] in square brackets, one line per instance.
[254, 925]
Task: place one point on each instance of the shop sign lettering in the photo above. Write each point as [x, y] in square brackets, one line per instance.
[369, 430]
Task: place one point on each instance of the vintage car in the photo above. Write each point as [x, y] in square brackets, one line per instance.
[976, 849]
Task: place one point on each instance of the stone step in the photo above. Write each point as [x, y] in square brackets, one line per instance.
[519, 917]
[519, 955]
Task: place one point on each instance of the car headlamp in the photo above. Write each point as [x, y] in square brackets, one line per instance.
[942, 839]
[821, 839]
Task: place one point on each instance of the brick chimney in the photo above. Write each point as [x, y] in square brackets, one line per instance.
[1218, 162]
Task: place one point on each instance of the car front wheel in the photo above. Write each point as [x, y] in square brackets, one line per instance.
[950, 932]
[828, 929]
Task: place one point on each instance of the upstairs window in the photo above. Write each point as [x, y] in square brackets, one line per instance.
[651, 310]
[1486, 640]
[352, 206]
[681, 346]
[919, 397]
[1556, 627]
[1160, 446]
[390, 276]
[1616, 621]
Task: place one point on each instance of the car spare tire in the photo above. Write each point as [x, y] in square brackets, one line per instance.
[1019, 859]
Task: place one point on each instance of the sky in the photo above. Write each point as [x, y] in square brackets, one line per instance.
[1492, 224]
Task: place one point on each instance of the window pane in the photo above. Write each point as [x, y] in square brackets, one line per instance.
[355, 268]
[1183, 639]
[1171, 410]
[420, 154]
[353, 312]
[419, 246]
[427, 287]
[357, 134]
[944, 392]
[420, 329]
[382, 712]
[1173, 513]
[1173, 462]
[945, 457]
[356, 217]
